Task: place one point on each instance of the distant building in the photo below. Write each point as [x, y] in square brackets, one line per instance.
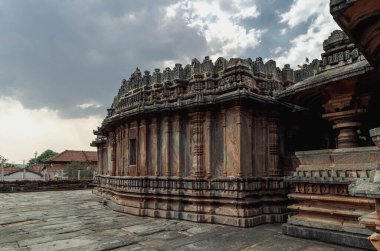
[37, 168]
[15, 173]
[54, 166]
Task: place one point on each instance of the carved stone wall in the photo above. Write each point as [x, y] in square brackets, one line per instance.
[209, 149]
[227, 142]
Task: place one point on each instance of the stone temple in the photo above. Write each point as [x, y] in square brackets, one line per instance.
[242, 142]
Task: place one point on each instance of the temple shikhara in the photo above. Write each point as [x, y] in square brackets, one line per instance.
[243, 142]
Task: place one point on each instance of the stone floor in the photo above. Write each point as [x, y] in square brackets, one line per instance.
[74, 220]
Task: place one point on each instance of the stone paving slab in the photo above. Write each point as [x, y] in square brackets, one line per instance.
[75, 220]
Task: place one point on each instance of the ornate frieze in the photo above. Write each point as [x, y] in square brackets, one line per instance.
[221, 201]
[199, 82]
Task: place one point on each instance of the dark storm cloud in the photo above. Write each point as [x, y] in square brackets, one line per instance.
[63, 53]
[60, 54]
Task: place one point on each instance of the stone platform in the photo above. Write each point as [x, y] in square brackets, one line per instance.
[240, 202]
[74, 220]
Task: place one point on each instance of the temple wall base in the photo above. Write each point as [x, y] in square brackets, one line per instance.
[223, 202]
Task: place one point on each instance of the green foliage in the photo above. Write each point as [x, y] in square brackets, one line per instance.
[42, 157]
[86, 171]
[3, 162]
[9, 165]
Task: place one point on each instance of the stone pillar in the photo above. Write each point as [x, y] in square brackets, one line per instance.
[346, 122]
[142, 152]
[274, 147]
[345, 110]
[207, 144]
[175, 149]
[165, 146]
[153, 152]
[197, 141]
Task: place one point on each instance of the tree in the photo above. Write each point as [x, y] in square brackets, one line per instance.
[42, 157]
[86, 170]
[2, 160]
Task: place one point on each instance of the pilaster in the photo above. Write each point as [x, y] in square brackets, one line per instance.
[153, 152]
[175, 149]
[126, 149]
[274, 147]
[207, 144]
[142, 152]
[224, 124]
[197, 144]
[165, 148]
[245, 135]
[119, 151]
[113, 152]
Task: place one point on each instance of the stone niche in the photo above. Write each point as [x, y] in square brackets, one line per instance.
[203, 146]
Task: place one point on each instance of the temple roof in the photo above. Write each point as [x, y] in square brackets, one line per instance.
[71, 155]
[206, 83]
[341, 60]
[325, 78]
[199, 84]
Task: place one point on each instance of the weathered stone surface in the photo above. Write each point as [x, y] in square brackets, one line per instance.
[336, 237]
[103, 229]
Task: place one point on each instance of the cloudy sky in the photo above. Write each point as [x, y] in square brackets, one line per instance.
[62, 61]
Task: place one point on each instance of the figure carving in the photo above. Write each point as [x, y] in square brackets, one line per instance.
[195, 67]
